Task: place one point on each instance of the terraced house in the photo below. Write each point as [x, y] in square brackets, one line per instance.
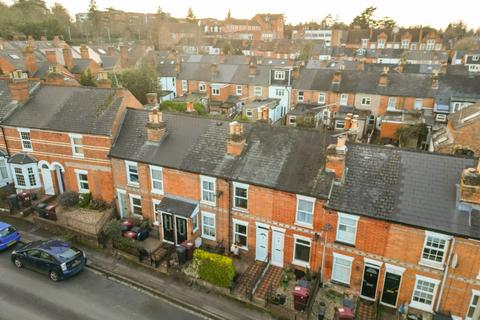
[57, 138]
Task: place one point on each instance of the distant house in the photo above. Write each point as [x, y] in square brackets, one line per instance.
[267, 110]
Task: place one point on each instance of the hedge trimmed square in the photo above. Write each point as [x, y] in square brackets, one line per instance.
[214, 268]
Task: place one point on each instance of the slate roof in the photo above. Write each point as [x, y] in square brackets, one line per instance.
[69, 109]
[22, 158]
[179, 207]
[457, 86]
[408, 187]
[197, 144]
[80, 65]
[304, 108]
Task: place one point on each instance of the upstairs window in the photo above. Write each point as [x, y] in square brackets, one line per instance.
[208, 186]
[346, 228]
[215, 91]
[366, 101]
[25, 139]
[418, 104]
[279, 75]
[392, 103]
[240, 194]
[344, 99]
[321, 98]
[132, 172]
[257, 91]
[300, 96]
[77, 145]
[405, 44]
[381, 43]
[184, 85]
[202, 87]
[305, 207]
[238, 90]
[156, 176]
[434, 249]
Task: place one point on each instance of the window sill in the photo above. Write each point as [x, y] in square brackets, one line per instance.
[240, 209]
[304, 225]
[340, 283]
[153, 191]
[430, 264]
[78, 156]
[421, 306]
[209, 238]
[208, 203]
[301, 263]
[133, 185]
[83, 191]
[345, 243]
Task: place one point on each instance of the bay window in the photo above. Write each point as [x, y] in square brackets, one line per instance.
[26, 176]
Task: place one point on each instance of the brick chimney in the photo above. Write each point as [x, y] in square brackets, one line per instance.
[103, 81]
[252, 69]
[43, 38]
[335, 160]
[30, 42]
[18, 86]
[30, 59]
[337, 77]
[56, 41]
[111, 51]
[295, 73]
[435, 81]
[348, 121]
[470, 186]
[214, 69]
[190, 108]
[123, 56]
[156, 128]
[54, 76]
[152, 98]
[221, 57]
[84, 52]
[51, 56]
[68, 57]
[383, 80]
[236, 141]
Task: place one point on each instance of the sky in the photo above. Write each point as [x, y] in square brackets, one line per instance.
[436, 13]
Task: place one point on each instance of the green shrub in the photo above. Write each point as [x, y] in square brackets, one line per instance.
[127, 245]
[68, 199]
[99, 205]
[113, 229]
[84, 199]
[214, 268]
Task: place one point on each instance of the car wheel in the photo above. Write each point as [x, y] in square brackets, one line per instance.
[53, 276]
[18, 263]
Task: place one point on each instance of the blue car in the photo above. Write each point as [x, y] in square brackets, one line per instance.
[8, 235]
[55, 258]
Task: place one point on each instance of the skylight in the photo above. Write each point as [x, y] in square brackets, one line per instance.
[14, 56]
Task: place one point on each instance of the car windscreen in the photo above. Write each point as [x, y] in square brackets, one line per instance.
[68, 254]
[7, 231]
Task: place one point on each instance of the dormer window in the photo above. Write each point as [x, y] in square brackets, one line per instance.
[279, 75]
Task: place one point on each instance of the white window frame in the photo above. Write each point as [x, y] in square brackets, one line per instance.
[24, 172]
[381, 44]
[292, 120]
[238, 90]
[343, 216]
[213, 216]
[279, 75]
[430, 44]
[127, 170]
[312, 214]
[184, 85]
[25, 141]
[202, 87]
[258, 91]
[420, 305]
[214, 182]
[195, 223]
[339, 124]
[241, 186]
[79, 181]
[343, 99]
[249, 113]
[345, 258]
[279, 92]
[242, 223]
[475, 57]
[215, 91]
[418, 104]
[152, 180]
[74, 145]
[295, 261]
[392, 103]
[321, 98]
[300, 96]
[155, 203]
[471, 305]
[132, 206]
[366, 101]
[5, 166]
[431, 263]
[405, 44]
[365, 42]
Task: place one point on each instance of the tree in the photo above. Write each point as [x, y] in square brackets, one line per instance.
[87, 79]
[307, 51]
[229, 14]
[227, 48]
[327, 22]
[190, 15]
[385, 23]
[94, 15]
[140, 81]
[61, 14]
[160, 13]
[365, 19]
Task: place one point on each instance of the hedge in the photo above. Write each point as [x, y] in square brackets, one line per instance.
[178, 106]
[214, 268]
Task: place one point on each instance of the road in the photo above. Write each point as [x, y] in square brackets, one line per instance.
[25, 294]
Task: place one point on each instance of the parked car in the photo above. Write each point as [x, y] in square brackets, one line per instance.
[8, 235]
[58, 259]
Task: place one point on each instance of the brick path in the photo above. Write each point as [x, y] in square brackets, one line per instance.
[366, 310]
[273, 278]
[245, 281]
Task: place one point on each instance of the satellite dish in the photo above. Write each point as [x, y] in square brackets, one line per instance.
[396, 29]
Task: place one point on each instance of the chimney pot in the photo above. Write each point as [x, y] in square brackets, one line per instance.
[84, 54]
[152, 98]
[337, 77]
[190, 108]
[156, 128]
[341, 147]
[236, 140]
[470, 185]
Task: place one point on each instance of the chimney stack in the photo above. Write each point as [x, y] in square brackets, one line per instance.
[103, 81]
[152, 99]
[84, 52]
[68, 57]
[337, 77]
[252, 69]
[214, 69]
[18, 86]
[236, 141]
[335, 160]
[295, 73]
[30, 59]
[190, 108]
[51, 56]
[435, 81]
[111, 51]
[31, 42]
[54, 76]
[123, 56]
[354, 123]
[470, 186]
[156, 128]
[383, 80]
[348, 121]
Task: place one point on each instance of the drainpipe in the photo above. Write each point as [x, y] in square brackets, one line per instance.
[327, 228]
[5, 141]
[229, 216]
[444, 278]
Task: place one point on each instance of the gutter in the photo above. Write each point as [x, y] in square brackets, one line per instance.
[445, 275]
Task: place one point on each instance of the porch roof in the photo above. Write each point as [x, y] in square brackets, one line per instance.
[178, 207]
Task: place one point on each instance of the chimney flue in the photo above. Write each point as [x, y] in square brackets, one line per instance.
[156, 128]
[470, 186]
[30, 59]
[52, 56]
[152, 99]
[18, 86]
[68, 57]
[84, 52]
[236, 139]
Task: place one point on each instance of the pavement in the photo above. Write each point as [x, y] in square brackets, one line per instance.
[153, 295]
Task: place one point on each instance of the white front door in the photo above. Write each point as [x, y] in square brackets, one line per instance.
[122, 203]
[261, 247]
[47, 181]
[278, 238]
